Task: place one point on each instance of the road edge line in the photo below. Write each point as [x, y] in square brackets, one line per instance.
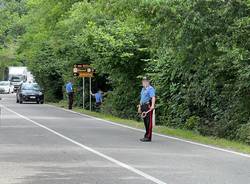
[157, 134]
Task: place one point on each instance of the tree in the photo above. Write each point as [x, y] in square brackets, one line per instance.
[202, 64]
[197, 53]
[10, 29]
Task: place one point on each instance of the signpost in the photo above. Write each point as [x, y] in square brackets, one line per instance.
[83, 92]
[84, 71]
[90, 97]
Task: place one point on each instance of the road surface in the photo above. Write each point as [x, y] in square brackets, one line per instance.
[41, 144]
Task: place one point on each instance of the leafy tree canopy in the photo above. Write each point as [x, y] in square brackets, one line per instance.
[197, 53]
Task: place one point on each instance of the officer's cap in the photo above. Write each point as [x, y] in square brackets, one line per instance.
[145, 78]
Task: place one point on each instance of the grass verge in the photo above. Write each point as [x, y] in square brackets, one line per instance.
[179, 133]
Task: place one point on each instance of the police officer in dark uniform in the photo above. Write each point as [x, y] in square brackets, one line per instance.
[146, 108]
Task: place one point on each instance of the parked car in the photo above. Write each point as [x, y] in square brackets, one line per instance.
[6, 87]
[30, 92]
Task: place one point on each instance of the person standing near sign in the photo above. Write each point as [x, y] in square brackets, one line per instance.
[146, 108]
[98, 98]
[70, 93]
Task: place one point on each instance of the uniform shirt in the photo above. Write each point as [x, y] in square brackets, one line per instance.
[98, 97]
[69, 87]
[147, 94]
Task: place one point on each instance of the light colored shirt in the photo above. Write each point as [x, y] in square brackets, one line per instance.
[69, 87]
[147, 94]
[98, 97]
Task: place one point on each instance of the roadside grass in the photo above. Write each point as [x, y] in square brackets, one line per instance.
[178, 133]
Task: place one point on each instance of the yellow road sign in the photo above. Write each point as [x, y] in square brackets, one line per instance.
[83, 70]
[85, 74]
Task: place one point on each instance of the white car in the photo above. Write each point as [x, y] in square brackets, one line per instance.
[6, 87]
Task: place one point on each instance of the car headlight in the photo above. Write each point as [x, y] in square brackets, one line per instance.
[40, 93]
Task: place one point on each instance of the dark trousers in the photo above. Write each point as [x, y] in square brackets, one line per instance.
[98, 105]
[148, 121]
[70, 99]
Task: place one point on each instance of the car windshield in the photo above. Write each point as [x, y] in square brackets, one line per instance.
[35, 87]
[16, 79]
[4, 83]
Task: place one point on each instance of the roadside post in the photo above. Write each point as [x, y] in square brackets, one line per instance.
[90, 97]
[83, 92]
[84, 71]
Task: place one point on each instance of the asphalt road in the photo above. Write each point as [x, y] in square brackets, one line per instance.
[41, 144]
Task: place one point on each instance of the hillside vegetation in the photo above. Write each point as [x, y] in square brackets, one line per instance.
[197, 53]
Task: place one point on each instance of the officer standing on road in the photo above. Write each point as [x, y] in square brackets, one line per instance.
[146, 108]
[70, 92]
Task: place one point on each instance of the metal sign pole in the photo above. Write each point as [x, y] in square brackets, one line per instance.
[83, 92]
[90, 97]
[83, 71]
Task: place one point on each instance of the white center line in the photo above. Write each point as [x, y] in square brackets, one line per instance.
[121, 164]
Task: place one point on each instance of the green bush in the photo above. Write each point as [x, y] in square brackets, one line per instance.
[243, 133]
[192, 123]
[202, 64]
[122, 103]
[196, 51]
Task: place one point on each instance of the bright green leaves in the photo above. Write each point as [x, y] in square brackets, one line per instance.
[203, 65]
[196, 51]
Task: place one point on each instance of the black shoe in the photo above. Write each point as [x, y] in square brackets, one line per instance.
[145, 140]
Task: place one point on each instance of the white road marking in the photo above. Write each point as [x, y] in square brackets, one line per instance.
[157, 134]
[121, 164]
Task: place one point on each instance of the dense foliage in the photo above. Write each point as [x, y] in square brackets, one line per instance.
[197, 53]
[11, 12]
[203, 67]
